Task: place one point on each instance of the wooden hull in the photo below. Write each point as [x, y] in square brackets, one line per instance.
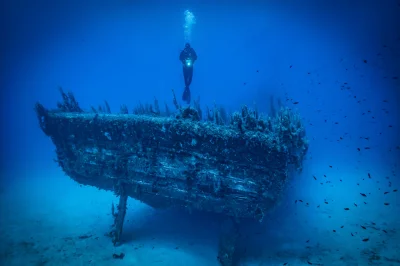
[165, 161]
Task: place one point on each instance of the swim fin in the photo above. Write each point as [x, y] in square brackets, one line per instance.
[186, 95]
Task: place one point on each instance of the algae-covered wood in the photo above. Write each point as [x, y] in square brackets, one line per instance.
[239, 169]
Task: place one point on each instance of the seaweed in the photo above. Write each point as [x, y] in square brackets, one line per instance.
[69, 104]
[124, 109]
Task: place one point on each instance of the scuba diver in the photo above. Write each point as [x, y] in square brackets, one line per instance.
[187, 57]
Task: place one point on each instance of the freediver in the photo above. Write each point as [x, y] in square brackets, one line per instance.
[187, 57]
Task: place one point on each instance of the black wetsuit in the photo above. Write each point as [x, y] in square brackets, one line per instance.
[187, 57]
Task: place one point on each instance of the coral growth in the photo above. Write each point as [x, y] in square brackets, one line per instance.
[283, 128]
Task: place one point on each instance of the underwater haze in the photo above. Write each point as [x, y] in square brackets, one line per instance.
[336, 63]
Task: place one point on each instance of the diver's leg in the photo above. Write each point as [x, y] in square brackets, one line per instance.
[190, 75]
[188, 81]
[186, 92]
[185, 75]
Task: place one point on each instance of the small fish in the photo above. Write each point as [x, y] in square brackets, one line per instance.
[85, 236]
[365, 239]
[363, 227]
[309, 263]
[386, 203]
[394, 190]
[369, 175]
[120, 256]
[342, 226]
[351, 234]
[355, 205]
[346, 209]
[334, 230]
[386, 193]
[308, 241]
[314, 177]
[300, 200]
[365, 61]
[362, 194]
[330, 166]
[367, 148]
[358, 149]
[384, 231]
[285, 263]
[295, 102]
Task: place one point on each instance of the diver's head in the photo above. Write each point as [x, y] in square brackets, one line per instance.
[187, 45]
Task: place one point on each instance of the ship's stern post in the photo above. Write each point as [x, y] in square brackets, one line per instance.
[228, 237]
[119, 216]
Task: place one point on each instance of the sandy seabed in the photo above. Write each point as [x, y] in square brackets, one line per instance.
[48, 219]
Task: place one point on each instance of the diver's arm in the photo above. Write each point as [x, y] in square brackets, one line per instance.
[194, 55]
[182, 57]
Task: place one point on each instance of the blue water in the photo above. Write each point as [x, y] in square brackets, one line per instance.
[340, 60]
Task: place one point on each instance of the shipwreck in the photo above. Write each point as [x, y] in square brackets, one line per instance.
[237, 164]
